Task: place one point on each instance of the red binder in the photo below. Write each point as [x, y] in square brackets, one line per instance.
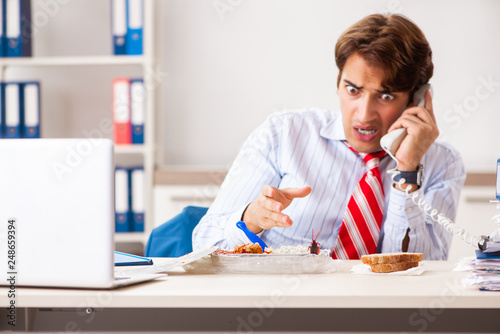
[121, 111]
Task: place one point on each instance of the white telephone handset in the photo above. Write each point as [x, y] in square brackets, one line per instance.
[391, 141]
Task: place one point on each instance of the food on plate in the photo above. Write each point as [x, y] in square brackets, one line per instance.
[256, 249]
[390, 262]
[248, 248]
[288, 250]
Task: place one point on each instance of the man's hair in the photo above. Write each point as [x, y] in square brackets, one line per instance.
[393, 43]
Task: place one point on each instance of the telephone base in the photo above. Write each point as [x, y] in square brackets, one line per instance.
[487, 245]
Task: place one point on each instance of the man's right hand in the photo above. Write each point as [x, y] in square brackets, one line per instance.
[265, 212]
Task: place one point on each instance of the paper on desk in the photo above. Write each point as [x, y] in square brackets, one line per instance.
[484, 272]
[364, 269]
[483, 281]
[465, 264]
[162, 265]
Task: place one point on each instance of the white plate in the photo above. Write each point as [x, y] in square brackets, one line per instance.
[262, 264]
[260, 255]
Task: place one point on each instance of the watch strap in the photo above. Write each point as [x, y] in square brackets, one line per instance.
[410, 177]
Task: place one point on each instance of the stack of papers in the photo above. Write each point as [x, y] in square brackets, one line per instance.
[484, 271]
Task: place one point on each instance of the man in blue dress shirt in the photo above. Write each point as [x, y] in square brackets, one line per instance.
[295, 173]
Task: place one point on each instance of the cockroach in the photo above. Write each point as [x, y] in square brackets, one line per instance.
[314, 248]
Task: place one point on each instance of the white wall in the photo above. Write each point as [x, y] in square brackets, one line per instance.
[223, 72]
[224, 65]
[229, 67]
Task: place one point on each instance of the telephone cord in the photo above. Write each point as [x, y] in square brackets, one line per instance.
[428, 210]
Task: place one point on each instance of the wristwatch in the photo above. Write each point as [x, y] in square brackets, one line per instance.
[411, 177]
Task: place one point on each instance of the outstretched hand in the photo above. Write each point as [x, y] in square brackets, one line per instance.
[265, 212]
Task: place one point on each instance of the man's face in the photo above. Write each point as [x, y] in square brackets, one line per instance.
[367, 109]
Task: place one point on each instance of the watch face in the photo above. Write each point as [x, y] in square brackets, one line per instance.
[498, 179]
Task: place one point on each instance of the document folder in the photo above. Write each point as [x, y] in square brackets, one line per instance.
[3, 37]
[480, 255]
[2, 110]
[135, 22]
[119, 26]
[31, 109]
[137, 191]
[121, 111]
[18, 28]
[124, 259]
[122, 200]
[13, 116]
[137, 110]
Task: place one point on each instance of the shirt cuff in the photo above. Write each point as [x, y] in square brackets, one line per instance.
[233, 233]
[403, 209]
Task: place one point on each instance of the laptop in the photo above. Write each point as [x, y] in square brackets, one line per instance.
[57, 217]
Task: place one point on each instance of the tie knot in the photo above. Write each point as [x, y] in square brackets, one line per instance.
[371, 159]
[376, 156]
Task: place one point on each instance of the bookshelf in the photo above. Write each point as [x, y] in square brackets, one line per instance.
[143, 64]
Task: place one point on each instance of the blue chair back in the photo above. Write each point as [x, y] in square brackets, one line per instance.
[174, 237]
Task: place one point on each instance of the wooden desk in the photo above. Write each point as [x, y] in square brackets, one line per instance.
[434, 301]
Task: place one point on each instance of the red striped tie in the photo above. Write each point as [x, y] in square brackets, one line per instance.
[360, 228]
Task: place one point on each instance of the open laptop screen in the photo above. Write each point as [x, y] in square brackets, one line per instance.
[57, 211]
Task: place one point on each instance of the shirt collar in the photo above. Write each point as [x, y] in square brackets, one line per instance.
[334, 129]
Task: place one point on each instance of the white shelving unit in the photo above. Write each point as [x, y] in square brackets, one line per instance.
[147, 64]
[74, 61]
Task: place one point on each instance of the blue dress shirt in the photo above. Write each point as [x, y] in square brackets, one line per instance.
[306, 148]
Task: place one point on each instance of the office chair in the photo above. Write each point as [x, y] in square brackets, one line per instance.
[174, 237]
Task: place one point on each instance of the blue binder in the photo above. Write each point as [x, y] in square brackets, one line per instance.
[13, 112]
[3, 38]
[137, 198]
[2, 111]
[137, 110]
[122, 200]
[125, 259]
[31, 109]
[135, 23]
[18, 28]
[487, 256]
[119, 26]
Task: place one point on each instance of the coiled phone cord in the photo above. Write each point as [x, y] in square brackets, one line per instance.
[429, 211]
